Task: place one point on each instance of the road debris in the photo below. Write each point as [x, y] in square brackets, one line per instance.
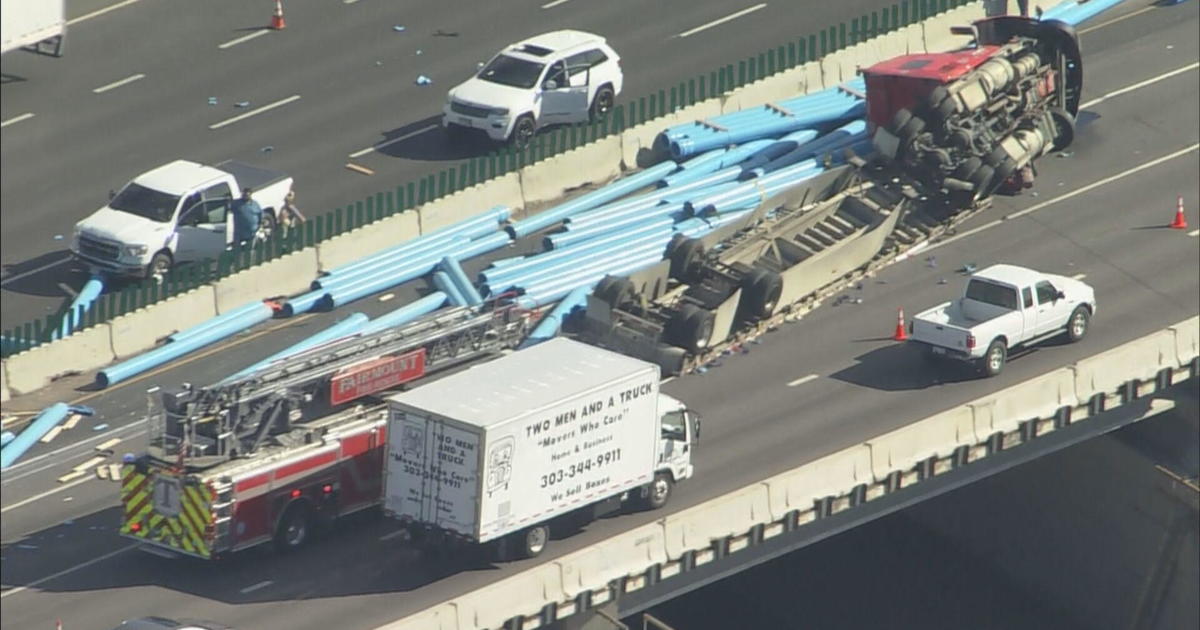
[423, 80]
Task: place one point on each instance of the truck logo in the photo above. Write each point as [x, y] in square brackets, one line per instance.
[376, 375]
[500, 458]
[411, 440]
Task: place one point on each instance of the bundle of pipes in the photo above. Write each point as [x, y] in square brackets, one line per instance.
[816, 110]
[550, 325]
[585, 202]
[847, 135]
[46, 420]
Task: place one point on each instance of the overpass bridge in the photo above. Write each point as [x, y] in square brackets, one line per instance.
[647, 565]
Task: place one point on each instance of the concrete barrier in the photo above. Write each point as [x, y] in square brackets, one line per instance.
[914, 38]
[900, 450]
[1141, 358]
[637, 143]
[440, 617]
[777, 87]
[367, 240]
[619, 556]
[492, 605]
[505, 190]
[937, 35]
[141, 329]
[84, 350]
[833, 474]
[286, 275]
[844, 64]
[594, 163]
[728, 515]
[5, 395]
[1039, 397]
[1187, 341]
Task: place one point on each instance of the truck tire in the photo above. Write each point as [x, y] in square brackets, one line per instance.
[690, 328]
[294, 528]
[761, 290]
[523, 131]
[982, 179]
[159, 265]
[658, 492]
[995, 358]
[1064, 128]
[617, 292]
[685, 260]
[533, 541]
[901, 118]
[1077, 325]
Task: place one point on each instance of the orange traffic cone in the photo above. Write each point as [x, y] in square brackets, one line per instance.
[900, 334]
[1180, 222]
[277, 22]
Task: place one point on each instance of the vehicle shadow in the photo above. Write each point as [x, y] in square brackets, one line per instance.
[902, 367]
[426, 140]
[41, 276]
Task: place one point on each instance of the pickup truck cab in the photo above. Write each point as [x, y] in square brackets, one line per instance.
[1004, 307]
[560, 77]
[178, 212]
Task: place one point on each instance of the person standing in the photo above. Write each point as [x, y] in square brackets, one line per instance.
[247, 218]
[290, 216]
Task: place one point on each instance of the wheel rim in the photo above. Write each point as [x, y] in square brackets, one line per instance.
[1078, 325]
[604, 103]
[995, 360]
[659, 491]
[294, 534]
[160, 266]
[535, 540]
[524, 132]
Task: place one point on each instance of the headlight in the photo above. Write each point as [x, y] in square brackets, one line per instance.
[498, 111]
[133, 251]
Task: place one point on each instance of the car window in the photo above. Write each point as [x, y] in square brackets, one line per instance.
[994, 294]
[220, 191]
[1046, 292]
[144, 202]
[1027, 297]
[596, 57]
[217, 200]
[512, 72]
[557, 73]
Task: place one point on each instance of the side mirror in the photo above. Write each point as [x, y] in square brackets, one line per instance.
[550, 84]
[1059, 295]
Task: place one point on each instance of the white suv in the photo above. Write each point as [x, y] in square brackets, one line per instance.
[560, 77]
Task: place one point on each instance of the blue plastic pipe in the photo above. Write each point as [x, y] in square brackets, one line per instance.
[175, 349]
[656, 243]
[595, 230]
[617, 189]
[41, 425]
[344, 328]
[219, 320]
[610, 241]
[442, 281]
[650, 200]
[459, 277]
[80, 305]
[807, 118]
[844, 136]
[406, 313]
[6, 437]
[434, 252]
[302, 303]
[549, 326]
[550, 293]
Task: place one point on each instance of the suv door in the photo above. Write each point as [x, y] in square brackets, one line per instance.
[562, 101]
[203, 224]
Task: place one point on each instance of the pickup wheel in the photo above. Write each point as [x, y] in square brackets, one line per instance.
[658, 492]
[995, 358]
[1077, 326]
[159, 265]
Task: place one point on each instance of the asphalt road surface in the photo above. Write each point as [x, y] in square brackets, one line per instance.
[1099, 212]
[132, 93]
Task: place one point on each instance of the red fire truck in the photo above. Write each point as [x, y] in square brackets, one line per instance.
[272, 455]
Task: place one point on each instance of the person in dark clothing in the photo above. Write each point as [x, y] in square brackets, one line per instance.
[247, 217]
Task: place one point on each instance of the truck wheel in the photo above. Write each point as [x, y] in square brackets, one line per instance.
[294, 528]
[1064, 128]
[1077, 326]
[686, 259]
[617, 292]
[159, 265]
[602, 103]
[993, 361]
[523, 131]
[761, 290]
[658, 492]
[690, 328]
[900, 119]
[533, 541]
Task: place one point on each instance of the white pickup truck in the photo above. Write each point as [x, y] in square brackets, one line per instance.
[178, 212]
[1004, 307]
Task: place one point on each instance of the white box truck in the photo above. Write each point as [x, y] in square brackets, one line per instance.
[39, 24]
[558, 433]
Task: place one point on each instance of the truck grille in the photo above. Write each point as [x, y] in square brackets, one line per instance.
[469, 110]
[99, 249]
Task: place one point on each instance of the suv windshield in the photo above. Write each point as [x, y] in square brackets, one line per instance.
[994, 294]
[513, 72]
[144, 202]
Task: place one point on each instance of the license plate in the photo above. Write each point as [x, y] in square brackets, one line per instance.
[464, 121]
[937, 350]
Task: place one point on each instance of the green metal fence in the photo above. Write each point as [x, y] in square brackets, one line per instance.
[481, 169]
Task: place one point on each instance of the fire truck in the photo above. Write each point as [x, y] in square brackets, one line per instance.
[971, 121]
[277, 453]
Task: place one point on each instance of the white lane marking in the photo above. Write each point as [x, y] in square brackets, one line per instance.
[255, 112]
[1194, 233]
[727, 18]
[17, 119]
[25, 274]
[398, 532]
[77, 567]
[99, 12]
[255, 587]
[551, 5]
[667, 380]
[8, 474]
[244, 38]
[392, 141]
[802, 380]
[1075, 193]
[48, 493]
[1079, 276]
[1141, 84]
[117, 84]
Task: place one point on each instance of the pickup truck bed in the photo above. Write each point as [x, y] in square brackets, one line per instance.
[254, 177]
[952, 315]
